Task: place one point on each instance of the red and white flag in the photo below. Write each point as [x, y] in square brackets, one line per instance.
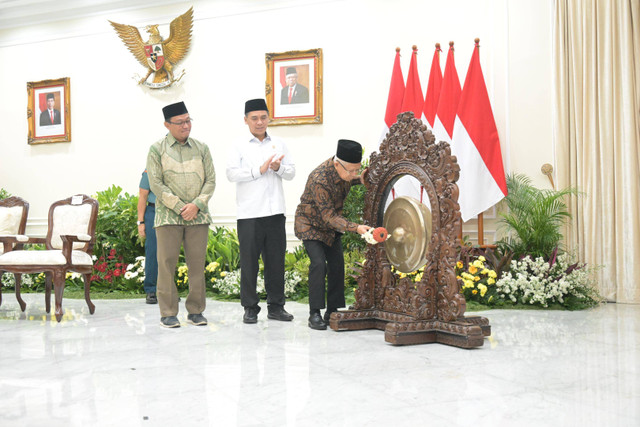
[448, 102]
[394, 101]
[482, 181]
[434, 86]
[412, 101]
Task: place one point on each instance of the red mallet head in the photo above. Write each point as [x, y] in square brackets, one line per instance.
[380, 234]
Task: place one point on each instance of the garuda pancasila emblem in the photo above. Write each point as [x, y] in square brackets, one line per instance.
[157, 55]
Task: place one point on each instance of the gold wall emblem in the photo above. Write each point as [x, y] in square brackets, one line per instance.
[157, 55]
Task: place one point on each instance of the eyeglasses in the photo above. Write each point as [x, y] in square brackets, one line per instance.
[182, 123]
[352, 172]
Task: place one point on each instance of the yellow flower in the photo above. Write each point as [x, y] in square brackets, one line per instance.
[484, 271]
[182, 270]
[473, 269]
[468, 284]
[459, 264]
[492, 274]
[458, 277]
[478, 264]
[490, 281]
[418, 277]
[213, 279]
[212, 267]
[477, 278]
[482, 288]
[223, 274]
[475, 291]
[481, 258]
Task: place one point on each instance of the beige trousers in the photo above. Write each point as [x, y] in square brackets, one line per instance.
[194, 239]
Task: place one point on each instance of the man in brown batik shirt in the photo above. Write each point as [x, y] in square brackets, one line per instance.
[319, 224]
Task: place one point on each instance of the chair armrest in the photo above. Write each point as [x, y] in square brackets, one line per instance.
[69, 239]
[8, 241]
[15, 241]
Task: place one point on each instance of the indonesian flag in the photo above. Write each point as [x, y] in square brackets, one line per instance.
[476, 144]
[448, 102]
[413, 100]
[394, 101]
[433, 90]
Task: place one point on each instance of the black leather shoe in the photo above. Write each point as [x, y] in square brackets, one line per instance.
[327, 315]
[251, 314]
[277, 312]
[152, 298]
[316, 322]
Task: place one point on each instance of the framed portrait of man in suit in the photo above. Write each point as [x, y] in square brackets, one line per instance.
[49, 111]
[294, 87]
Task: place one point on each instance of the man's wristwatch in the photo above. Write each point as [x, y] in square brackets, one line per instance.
[140, 222]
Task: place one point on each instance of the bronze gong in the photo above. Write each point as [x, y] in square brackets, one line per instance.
[409, 225]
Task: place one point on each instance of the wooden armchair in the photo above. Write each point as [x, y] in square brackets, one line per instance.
[13, 222]
[69, 245]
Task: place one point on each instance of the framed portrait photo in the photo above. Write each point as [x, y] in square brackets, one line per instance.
[49, 111]
[294, 87]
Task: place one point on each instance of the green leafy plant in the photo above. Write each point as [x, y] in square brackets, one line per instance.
[223, 247]
[116, 226]
[4, 194]
[534, 218]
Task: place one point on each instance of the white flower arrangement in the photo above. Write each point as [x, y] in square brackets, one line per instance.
[541, 282]
[136, 270]
[229, 284]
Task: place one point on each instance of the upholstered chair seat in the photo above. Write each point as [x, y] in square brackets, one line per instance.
[69, 246]
[13, 222]
[48, 257]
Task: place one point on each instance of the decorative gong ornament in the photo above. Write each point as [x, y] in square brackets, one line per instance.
[431, 310]
[409, 222]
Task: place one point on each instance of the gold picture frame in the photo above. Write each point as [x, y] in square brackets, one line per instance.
[49, 111]
[294, 87]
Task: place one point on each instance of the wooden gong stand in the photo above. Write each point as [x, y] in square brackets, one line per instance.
[431, 310]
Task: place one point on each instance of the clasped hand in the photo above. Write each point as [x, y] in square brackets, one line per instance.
[189, 211]
[272, 162]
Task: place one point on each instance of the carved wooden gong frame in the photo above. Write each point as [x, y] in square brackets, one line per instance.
[431, 310]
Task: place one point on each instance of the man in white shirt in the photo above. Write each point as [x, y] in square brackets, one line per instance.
[257, 165]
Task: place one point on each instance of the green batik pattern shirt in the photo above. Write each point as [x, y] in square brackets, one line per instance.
[180, 174]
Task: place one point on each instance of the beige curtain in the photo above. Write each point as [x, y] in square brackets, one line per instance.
[596, 51]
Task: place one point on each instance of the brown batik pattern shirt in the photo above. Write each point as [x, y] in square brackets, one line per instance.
[319, 214]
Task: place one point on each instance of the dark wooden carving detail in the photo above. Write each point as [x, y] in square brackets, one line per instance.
[431, 310]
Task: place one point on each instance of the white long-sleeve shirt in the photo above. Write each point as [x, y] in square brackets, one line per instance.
[259, 195]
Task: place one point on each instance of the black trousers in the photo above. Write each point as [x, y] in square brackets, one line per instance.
[264, 236]
[326, 261]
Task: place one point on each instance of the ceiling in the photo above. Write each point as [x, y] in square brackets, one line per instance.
[20, 13]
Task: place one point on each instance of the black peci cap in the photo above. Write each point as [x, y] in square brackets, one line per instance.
[255, 105]
[349, 151]
[173, 110]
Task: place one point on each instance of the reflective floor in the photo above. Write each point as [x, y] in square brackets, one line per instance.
[119, 367]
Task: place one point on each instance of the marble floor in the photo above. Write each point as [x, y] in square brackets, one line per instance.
[119, 367]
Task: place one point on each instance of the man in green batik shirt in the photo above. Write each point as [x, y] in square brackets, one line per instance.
[182, 177]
